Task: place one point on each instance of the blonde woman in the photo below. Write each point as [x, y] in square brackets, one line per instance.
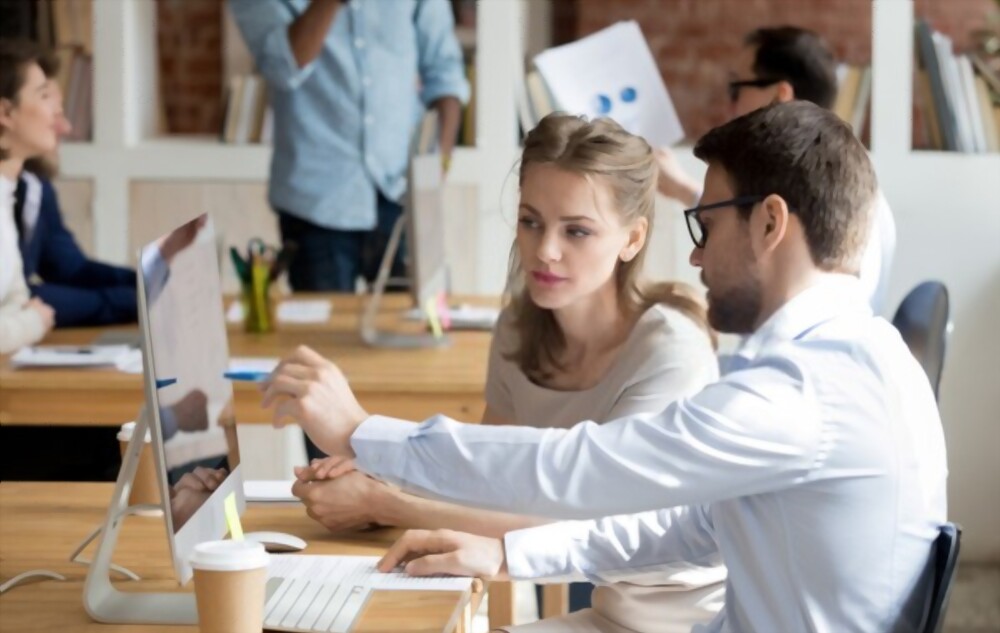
[582, 337]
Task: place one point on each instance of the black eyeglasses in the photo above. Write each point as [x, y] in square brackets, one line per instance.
[736, 86]
[697, 228]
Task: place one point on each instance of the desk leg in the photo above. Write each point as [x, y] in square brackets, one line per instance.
[501, 604]
[556, 600]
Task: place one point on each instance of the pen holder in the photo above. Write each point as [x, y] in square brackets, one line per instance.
[258, 309]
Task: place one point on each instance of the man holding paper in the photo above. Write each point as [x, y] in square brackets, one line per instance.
[778, 65]
[815, 467]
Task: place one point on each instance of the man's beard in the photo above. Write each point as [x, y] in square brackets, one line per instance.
[736, 309]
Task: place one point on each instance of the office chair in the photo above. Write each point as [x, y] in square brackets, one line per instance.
[944, 562]
[923, 320]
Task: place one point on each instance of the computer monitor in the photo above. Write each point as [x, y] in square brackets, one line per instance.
[189, 401]
[189, 415]
[428, 260]
[424, 221]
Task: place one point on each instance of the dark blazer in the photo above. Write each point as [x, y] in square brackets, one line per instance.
[80, 290]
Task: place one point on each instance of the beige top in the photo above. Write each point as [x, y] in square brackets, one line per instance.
[18, 326]
[666, 357]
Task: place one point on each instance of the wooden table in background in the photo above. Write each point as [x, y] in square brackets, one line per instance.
[42, 523]
[411, 384]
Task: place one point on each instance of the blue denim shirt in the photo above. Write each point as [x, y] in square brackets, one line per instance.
[343, 123]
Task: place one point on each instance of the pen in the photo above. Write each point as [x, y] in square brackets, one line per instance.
[164, 382]
[64, 349]
[248, 376]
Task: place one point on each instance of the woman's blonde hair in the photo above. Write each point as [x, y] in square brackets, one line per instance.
[600, 151]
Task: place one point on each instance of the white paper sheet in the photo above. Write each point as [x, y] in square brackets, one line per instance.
[269, 490]
[612, 73]
[252, 363]
[463, 317]
[304, 311]
[70, 356]
[290, 311]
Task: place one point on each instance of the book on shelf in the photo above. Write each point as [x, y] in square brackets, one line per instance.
[247, 116]
[467, 135]
[959, 97]
[853, 101]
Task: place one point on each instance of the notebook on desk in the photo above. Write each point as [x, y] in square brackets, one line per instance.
[71, 356]
[462, 317]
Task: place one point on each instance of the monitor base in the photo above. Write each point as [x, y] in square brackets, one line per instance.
[101, 599]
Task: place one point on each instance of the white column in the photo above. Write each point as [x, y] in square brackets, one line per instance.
[892, 76]
[500, 44]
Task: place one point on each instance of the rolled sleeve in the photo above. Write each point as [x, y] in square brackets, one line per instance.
[442, 70]
[264, 25]
[673, 546]
[741, 436]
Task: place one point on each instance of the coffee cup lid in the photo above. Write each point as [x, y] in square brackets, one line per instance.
[229, 556]
[128, 429]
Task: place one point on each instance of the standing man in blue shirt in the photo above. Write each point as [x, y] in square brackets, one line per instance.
[348, 80]
[814, 468]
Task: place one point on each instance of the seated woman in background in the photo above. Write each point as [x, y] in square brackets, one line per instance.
[582, 337]
[27, 128]
[83, 292]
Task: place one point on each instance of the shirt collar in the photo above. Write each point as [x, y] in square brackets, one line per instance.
[833, 296]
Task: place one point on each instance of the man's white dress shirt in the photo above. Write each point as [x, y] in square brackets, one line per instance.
[815, 468]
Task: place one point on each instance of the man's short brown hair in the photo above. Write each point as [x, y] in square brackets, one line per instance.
[809, 157]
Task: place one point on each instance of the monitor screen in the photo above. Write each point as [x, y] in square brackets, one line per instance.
[187, 354]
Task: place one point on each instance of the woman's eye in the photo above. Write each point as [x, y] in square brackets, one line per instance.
[577, 232]
[528, 223]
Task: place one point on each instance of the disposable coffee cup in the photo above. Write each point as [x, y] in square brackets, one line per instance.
[229, 582]
[145, 487]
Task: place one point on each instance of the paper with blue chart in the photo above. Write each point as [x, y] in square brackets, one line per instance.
[612, 73]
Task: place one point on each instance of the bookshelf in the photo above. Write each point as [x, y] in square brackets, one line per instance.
[947, 208]
[127, 148]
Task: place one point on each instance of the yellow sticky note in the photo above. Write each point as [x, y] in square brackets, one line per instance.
[430, 307]
[233, 517]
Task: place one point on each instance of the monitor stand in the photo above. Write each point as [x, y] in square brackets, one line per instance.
[370, 333]
[101, 599]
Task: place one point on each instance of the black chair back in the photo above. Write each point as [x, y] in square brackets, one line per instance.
[923, 320]
[944, 563]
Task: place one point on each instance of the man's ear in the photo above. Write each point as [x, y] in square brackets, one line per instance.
[768, 224]
[785, 92]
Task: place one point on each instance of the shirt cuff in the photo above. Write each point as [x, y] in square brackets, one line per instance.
[284, 71]
[433, 91]
[376, 445]
[544, 552]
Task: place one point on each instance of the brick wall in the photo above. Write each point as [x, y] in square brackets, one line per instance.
[189, 36]
[694, 40]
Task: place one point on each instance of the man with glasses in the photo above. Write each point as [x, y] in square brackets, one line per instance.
[815, 468]
[777, 65]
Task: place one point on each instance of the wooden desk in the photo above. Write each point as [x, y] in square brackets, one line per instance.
[41, 524]
[412, 384]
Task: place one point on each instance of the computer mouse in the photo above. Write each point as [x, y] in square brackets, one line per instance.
[277, 542]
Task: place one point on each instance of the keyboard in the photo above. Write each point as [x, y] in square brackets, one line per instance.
[326, 593]
[298, 604]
